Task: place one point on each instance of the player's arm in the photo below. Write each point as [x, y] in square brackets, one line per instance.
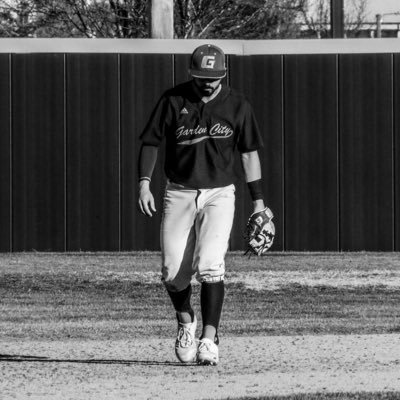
[147, 161]
[252, 172]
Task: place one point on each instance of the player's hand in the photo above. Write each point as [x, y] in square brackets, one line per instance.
[260, 232]
[146, 199]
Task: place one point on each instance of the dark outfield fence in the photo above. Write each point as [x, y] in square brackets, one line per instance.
[71, 112]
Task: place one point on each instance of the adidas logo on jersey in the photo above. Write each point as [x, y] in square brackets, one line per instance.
[184, 111]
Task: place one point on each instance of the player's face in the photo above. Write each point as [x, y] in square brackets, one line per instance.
[207, 86]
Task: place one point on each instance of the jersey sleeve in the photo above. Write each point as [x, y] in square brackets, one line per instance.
[250, 138]
[157, 125]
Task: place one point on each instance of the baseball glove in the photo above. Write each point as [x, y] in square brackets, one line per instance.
[260, 232]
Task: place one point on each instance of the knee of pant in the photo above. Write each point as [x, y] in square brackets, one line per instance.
[175, 285]
[175, 278]
[168, 279]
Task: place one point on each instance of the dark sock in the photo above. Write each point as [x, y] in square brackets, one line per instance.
[181, 300]
[212, 299]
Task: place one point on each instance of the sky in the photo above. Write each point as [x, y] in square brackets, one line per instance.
[382, 7]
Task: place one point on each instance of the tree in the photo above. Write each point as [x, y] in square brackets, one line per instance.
[355, 16]
[208, 19]
[76, 18]
[230, 19]
[195, 18]
[17, 18]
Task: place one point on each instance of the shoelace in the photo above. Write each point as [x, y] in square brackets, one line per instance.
[206, 345]
[184, 337]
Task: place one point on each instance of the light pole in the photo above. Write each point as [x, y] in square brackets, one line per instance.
[337, 19]
[379, 18]
[162, 19]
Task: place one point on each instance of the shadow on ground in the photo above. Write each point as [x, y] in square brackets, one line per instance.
[25, 358]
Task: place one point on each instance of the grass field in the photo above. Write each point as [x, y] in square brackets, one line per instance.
[87, 297]
[273, 295]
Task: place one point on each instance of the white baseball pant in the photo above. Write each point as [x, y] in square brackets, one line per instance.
[195, 230]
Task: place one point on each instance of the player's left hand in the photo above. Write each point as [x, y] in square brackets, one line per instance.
[258, 205]
[260, 232]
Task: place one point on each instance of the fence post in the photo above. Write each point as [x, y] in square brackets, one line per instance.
[337, 19]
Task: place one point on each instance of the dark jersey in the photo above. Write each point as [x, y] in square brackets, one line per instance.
[201, 138]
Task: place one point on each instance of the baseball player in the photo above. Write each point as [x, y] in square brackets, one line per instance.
[203, 123]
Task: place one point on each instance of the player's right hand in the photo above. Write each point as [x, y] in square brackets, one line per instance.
[146, 199]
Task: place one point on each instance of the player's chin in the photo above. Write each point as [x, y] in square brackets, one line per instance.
[207, 91]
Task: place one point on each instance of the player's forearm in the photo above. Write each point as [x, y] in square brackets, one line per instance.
[252, 171]
[251, 166]
[147, 161]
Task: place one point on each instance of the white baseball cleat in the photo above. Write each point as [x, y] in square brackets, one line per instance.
[207, 354]
[185, 344]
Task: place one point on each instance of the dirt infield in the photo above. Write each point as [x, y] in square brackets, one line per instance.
[147, 369]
